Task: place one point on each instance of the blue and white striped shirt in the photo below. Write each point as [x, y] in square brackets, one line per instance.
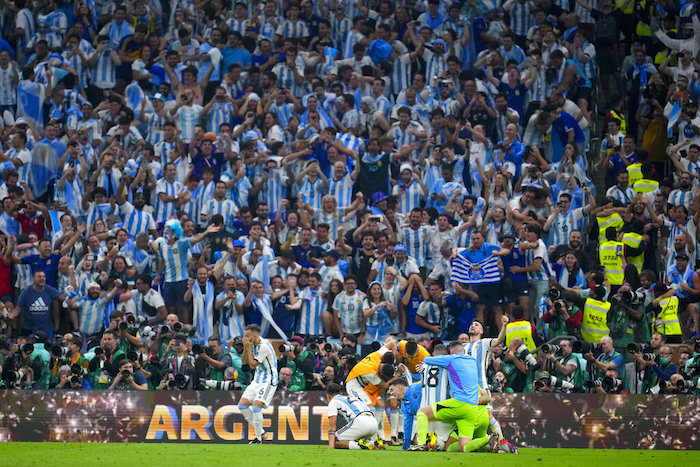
[175, 258]
[480, 350]
[136, 221]
[164, 210]
[417, 243]
[266, 371]
[341, 190]
[186, 118]
[435, 384]
[349, 311]
[349, 406]
[310, 316]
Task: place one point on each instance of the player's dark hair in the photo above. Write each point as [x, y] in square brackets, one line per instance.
[333, 389]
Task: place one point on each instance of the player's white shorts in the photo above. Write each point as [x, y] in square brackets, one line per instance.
[260, 392]
[355, 389]
[441, 429]
[362, 426]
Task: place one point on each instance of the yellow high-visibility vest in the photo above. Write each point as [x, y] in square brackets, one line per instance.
[613, 220]
[635, 172]
[645, 186]
[523, 330]
[610, 254]
[670, 325]
[623, 123]
[633, 240]
[594, 324]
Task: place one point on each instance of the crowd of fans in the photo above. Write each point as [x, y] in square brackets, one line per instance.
[174, 171]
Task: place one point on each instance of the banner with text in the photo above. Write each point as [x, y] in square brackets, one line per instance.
[528, 420]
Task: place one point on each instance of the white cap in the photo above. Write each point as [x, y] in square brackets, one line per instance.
[406, 167]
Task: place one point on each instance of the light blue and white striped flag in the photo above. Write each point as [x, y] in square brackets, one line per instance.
[44, 166]
[484, 272]
[673, 117]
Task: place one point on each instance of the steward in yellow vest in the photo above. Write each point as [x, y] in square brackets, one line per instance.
[521, 328]
[612, 220]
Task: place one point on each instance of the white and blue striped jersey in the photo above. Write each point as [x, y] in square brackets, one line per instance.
[273, 190]
[400, 77]
[349, 311]
[285, 77]
[520, 16]
[339, 31]
[175, 259]
[333, 219]
[349, 406]
[545, 270]
[237, 25]
[117, 32]
[292, 30]
[625, 197]
[24, 20]
[154, 131]
[164, 210]
[564, 223]
[433, 314]
[8, 88]
[401, 136]
[434, 64]
[435, 385]
[218, 114]
[480, 350]
[417, 243]
[104, 75]
[231, 323]
[186, 118]
[136, 221]
[310, 317]
[227, 208]
[284, 112]
[266, 371]
[92, 314]
[26, 157]
[341, 190]
[410, 197]
[680, 197]
[193, 207]
[162, 151]
[312, 192]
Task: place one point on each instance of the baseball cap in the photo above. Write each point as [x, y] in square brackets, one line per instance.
[237, 243]
[158, 96]
[682, 256]
[406, 167]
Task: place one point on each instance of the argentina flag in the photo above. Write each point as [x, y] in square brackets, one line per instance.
[673, 117]
[484, 272]
[44, 166]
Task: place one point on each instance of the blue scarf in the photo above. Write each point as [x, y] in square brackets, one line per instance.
[642, 70]
[433, 23]
[203, 307]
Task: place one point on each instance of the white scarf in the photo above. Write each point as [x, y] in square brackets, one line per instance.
[203, 307]
[264, 306]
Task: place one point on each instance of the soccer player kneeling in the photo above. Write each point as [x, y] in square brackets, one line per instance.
[361, 424]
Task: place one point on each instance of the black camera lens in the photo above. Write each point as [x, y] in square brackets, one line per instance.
[99, 351]
[126, 374]
[197, 349]
[123, 326]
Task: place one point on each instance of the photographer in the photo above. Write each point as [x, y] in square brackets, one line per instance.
[320, 382]
[628, 322]
[608, 359]
[127, 380]
[69, 380]
[300, 360]
[565, 365]
[235, 351]
[105, 364]
[609, 383]
[180, 362]
[662, 368]
[667, 306]
[516, 371]
[562, 317]
[214, 360]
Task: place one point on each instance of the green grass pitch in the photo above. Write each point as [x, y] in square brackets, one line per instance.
[241, 455]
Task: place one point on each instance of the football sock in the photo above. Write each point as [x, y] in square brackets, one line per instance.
[354, 445]
[379, 416]
[258, 421]
[422, 427]
[247, 413]
[496, 428]
[476, 444]
[394, 422]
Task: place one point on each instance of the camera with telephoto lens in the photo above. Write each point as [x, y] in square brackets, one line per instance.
[78, 370]
[123, 326]
[686, 386]
[59, 352]
[559, 306]
[554, 293]
[27, 348]
[75, 379]
[332, 347]
[348, 353]
[584, 347]
[148, 331]
[611, 384]
[524, 355]
[691, 371]
[126, 374]
[186, 329]
[550, 348]
[99, 351]
[135, 320]
[643, 348]
[135, 356]
[221, 385]
[12, 378]
[596, 383]
[165, 329]
[199, 349]
[553, 382]
[181, 380]
[286, 347]
[628, 297]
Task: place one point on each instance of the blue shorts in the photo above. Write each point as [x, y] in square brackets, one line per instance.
[174, 293]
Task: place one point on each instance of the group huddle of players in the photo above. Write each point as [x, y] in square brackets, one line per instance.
[449, 404]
